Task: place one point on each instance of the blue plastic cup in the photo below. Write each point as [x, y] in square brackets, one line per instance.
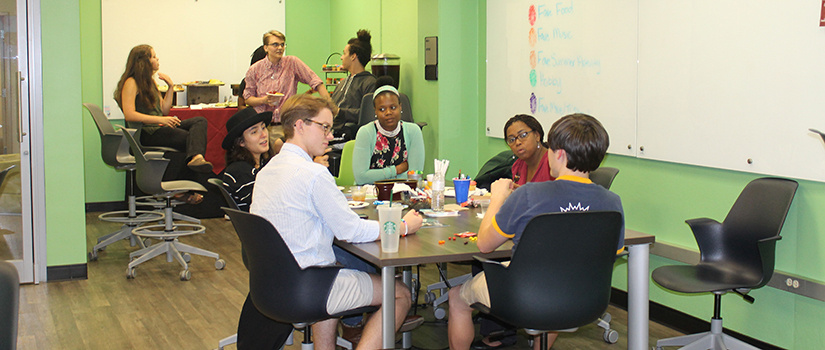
[462, 188]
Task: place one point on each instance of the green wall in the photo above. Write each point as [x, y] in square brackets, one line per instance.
[658, 196]
[102, 183]
[62, 132]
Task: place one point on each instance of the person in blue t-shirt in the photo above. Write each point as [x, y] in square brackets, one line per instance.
[578, 143]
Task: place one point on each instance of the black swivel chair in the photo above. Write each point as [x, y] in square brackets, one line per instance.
[736, 255]
[114, 150]
[149, 179]
[5, 172]
[232, 339]
[604, 176]
[9, 305]
[230, 202]
[568, 288]
[278, 286]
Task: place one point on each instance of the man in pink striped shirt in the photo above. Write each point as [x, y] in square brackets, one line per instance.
[277, 73]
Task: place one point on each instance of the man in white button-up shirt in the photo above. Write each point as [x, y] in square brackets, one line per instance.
[300, 198]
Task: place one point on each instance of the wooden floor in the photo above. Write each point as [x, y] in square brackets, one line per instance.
[157, 310]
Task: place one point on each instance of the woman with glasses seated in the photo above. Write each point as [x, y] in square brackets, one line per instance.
[388, 147]
[525, 135]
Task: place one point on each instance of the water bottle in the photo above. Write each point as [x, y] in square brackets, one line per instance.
[438, 193]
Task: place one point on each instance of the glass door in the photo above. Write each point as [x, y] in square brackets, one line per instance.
[15, 167]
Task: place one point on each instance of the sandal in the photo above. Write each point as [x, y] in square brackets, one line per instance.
[190, 198]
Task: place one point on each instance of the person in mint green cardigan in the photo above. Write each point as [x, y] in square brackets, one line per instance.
[387, 148]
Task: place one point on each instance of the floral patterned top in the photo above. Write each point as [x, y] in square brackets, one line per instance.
[388, 150]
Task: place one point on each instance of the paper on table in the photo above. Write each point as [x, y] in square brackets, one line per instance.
[438, 214]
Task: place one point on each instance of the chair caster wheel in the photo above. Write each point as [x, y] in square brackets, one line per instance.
[130, 273]
[147, 242]
[611, 336]
[439, 313]
[220, 264]
[185, 275]
[187, 257]
[92, 256]
[429, 298]
[607, 317]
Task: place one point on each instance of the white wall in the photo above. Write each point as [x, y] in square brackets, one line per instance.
[194, 39]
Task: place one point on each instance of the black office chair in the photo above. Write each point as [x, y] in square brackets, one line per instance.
[559, 277]
[114, 150]
[9, 305]
[5, 172]
[367, 112]
[278, 286]
[149, 179]
[230, 202]
[604, 176]
[736, 255]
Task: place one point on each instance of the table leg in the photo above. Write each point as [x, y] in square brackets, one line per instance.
[406, 337]
[388, 307]
[638, 271]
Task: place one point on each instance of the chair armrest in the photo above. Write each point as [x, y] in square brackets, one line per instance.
[421, 125]
[481, 307]
[153, 155]
[150, 148]
[767, 253]
[708, 235]
[487, 261]
[160, 149]
[769, 239]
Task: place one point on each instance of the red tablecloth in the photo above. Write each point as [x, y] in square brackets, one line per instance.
[217, 118]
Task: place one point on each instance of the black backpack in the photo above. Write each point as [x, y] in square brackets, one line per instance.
[498, 167]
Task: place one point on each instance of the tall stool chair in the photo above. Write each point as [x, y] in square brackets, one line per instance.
[114, 150]
[149, 179]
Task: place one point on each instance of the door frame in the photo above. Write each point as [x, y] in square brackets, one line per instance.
[37, 201]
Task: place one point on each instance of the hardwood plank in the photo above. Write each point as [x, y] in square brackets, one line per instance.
[158, 311]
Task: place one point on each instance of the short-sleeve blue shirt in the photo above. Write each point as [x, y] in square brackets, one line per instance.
[567, 193]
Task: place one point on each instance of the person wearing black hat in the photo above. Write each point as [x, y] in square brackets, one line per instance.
[247, 151]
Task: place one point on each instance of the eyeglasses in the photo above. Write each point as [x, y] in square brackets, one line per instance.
[326, 127]
[277, 44]
[512, 139]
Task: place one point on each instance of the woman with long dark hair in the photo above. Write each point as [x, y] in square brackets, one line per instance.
[141, 102]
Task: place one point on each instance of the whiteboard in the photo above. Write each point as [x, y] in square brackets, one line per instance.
[727, 84]
[724, 82]
[194, 40]
[552, 58]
